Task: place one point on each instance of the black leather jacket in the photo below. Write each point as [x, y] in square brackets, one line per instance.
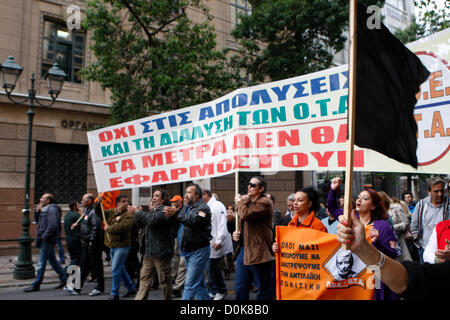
[197, 229]
[91, 227]
[159, 238]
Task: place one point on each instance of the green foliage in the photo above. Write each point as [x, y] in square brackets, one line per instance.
[431, 19]
[152, 57]
[287, 38]
[413, 32]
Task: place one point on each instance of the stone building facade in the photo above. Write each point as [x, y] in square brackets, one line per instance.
[35, 33]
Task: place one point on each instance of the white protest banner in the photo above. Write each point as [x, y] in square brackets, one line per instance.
[294, 124]
[432, 111]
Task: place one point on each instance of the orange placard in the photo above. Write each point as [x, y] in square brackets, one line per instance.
[109, 199]
[312, 265]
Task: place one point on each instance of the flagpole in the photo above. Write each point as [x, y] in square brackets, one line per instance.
[79, 219]
[104, 218]
[351, 117]
[236, 193]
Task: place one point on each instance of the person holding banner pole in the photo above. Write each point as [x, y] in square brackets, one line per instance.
[118, 224]
[92, 239]
[306, 203]
[254, 256]
[369, 207]
[411, 279]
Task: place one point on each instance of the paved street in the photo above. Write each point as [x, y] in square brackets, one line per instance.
[11, 289]
[48, 293]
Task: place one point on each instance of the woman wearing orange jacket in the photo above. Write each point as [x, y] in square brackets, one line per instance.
[306, 203]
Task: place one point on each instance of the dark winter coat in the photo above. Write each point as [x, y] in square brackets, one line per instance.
[158, 231]
[91, 227]
[197, 229]
[49, 225]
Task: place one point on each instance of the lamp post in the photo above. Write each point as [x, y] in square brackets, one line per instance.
[10, 72]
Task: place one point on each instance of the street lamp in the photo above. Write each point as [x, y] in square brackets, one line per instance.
[10, 73]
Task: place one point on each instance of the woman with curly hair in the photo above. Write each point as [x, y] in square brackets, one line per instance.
[369, 208]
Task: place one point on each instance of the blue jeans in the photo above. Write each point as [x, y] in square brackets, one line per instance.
[47, 253]
[196, 264]
[62, 256]
[260, 273]
[118, 258]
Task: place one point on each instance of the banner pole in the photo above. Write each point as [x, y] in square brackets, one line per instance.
[236, 193]
[104, 218]
[81, 217]
[351, 117]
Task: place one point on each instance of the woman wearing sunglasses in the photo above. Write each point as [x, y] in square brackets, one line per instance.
[254, 237]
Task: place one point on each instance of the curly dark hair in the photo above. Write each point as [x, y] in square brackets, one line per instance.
[313, 196]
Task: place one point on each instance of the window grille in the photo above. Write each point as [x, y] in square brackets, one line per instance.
[61, 169]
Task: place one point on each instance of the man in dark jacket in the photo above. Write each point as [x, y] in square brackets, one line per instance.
[72, 232]
[158, 225]
[195, 247]
[48, 232]
[91, 234]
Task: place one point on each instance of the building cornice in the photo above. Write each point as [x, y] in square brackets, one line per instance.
[64, 104]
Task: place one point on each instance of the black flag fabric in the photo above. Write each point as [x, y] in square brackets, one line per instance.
[388, 76]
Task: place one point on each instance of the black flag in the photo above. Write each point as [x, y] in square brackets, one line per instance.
[388, 76]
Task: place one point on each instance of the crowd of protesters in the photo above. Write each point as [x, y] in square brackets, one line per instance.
[190, 245]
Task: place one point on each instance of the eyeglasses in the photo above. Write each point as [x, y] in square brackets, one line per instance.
[253, 185]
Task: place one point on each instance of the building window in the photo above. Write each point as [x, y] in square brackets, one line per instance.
[398, 4]
[61, 169]
[64, 47]
[239, 7]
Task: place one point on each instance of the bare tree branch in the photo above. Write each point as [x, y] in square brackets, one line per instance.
[168, 22]
[144, 27]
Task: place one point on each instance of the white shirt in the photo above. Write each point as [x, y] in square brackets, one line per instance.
[430, 218]
[431, 248]
[219, 231]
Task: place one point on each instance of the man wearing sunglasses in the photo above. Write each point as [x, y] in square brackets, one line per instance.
[254, 256]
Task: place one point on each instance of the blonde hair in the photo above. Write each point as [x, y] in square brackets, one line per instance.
[386, 200]
[405, 207]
